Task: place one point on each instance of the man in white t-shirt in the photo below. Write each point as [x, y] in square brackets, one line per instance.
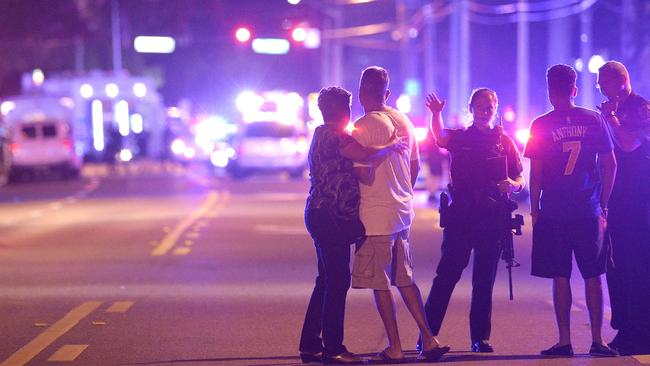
[386, 210]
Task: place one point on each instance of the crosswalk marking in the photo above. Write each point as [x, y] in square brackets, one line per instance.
[67, 353]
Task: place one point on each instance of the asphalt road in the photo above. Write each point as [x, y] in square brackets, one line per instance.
[164, 265]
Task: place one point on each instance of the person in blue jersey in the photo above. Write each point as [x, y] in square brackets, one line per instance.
[485, 170]
[332, 219]
[571, 178]
[628, 116]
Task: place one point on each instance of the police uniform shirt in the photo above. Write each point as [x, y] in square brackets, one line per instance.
[480, 159]
[631, 191]
[568, 143]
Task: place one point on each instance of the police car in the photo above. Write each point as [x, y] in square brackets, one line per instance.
[272, 135]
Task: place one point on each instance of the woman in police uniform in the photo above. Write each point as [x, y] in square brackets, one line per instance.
[485, 169]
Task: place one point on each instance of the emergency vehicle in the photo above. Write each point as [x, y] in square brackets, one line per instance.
[41, 136]
[272, 135]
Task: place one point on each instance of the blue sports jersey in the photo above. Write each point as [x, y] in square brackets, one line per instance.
[568, 143]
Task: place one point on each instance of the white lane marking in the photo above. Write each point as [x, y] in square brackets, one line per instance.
[607, 311]
[276, 229]
[120, 307]
[279, 196]
[35, 213]
[644, 359]
[51, 334]
[67, 353]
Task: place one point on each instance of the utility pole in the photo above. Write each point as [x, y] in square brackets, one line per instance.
[459, 44]
[559, 51]
[587, 80]
[429, 49]
[523, 64]
[116, 35]
[332, 48]
[628, 34]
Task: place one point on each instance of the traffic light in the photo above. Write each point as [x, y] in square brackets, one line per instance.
[243, 34]
[299, 34]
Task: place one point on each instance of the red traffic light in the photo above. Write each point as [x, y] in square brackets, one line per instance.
[299, 34]
[243, 34]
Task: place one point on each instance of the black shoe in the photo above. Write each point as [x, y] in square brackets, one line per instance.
[345, 358]
[600, 350]
[418, 346]
[482, 346]
[558, 351]
[307, 357]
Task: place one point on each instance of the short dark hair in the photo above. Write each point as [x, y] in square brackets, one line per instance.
[374, 82]
[561, 79]
[332, 101]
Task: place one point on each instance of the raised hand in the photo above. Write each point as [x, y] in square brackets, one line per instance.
[434, 104]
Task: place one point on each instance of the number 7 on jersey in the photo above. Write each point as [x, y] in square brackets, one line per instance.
[573, 148]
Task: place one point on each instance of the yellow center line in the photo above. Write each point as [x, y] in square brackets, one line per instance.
[120, 307]
[170, 240]
[51, 334]
[67, 353]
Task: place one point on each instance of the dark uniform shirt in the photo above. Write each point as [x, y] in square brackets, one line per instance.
[568, 143]
[631, 191]
[480, 159]
[333, 183]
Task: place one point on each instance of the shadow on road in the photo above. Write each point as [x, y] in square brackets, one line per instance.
[451, 357]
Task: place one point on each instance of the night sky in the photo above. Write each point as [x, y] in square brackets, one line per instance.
[209, 68]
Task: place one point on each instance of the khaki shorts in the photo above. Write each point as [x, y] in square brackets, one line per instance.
[382, 261]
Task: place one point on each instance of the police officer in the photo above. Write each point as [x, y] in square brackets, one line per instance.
[485, 169]
[628, 116]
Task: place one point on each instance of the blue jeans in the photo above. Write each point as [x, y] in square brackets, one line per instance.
[326, 310]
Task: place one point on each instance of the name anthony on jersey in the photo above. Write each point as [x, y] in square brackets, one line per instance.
[568, 131]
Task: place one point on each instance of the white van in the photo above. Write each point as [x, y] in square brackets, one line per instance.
[44, 146]
[41, 137]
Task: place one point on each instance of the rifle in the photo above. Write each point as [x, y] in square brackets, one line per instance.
[511, 225]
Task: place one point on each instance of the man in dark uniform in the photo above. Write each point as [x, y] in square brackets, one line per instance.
[485, 167]
[571, 178]
[628, 117]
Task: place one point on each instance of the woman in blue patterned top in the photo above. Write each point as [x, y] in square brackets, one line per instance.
[332, 219]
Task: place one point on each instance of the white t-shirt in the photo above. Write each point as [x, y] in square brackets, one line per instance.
[386, 206]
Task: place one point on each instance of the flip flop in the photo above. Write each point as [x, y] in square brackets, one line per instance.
[383, 358]
[433, 354]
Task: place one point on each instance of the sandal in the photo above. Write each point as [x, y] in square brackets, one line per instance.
[433, 355]
[383, 358]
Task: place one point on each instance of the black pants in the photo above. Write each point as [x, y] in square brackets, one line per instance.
[326, 310]
[628, 279]
[457, 245]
